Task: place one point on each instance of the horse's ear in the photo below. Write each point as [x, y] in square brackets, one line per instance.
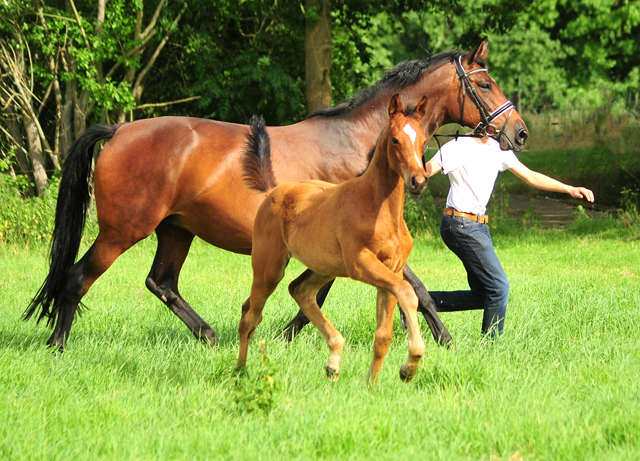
[395, 106]
[480, 51]
[421, 108]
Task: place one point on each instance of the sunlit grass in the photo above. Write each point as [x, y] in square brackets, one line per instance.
[562, 383]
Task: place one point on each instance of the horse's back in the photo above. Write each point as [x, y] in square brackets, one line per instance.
[187, 168]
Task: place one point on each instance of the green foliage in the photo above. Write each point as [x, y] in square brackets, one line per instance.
[421, 215]
[256, 394]
[25, 220]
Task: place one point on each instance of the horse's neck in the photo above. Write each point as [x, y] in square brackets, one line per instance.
[344, 142]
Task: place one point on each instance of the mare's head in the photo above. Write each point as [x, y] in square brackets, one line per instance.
[480, 102]
[405, 141]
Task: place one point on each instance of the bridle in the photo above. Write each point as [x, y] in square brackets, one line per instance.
[487, 117]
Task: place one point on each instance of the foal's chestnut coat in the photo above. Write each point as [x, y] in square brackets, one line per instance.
[355, 229]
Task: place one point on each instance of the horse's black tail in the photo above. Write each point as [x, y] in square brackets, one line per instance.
[256, 161]
[71, 211]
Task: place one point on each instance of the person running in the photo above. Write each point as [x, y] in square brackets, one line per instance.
[473, 165]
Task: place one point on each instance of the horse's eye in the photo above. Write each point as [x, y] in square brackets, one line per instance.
[394, 140]
[485, 86]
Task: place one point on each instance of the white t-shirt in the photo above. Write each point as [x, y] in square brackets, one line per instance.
[473, 169]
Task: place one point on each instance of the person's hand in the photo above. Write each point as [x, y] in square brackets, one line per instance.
[581, 192]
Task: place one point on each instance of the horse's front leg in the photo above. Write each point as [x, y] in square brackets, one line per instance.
[428, 308]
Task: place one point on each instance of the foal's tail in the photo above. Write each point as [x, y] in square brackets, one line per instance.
[71, 211]
[256, 161]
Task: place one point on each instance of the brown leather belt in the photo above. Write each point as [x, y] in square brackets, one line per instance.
[482, 219]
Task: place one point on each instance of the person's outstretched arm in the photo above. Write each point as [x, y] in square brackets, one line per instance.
[540, 181]
[432, 167]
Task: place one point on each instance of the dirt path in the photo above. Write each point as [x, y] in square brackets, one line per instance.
[553, 213]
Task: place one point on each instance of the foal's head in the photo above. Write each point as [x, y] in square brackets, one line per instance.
[405, 143]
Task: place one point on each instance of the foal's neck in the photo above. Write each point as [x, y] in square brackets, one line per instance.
[386, 184]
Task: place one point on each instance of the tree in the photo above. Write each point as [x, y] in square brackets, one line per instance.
[95, 68]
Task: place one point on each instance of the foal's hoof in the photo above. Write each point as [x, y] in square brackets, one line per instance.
[240, 370]
[407, 373]
[332, 373]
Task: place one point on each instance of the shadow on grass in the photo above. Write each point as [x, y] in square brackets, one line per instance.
[20, 341]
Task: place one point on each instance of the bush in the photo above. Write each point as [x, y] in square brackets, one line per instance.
[26, 220]
[421, 215]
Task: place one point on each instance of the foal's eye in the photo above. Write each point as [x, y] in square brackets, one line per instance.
[394, 140]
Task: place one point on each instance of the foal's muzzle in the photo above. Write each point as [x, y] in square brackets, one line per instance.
[417, 184]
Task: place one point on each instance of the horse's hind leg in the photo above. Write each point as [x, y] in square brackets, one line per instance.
[304, 290]
[173, 246]
[80, 277]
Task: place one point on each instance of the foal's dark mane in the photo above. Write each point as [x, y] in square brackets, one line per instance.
[405, 74]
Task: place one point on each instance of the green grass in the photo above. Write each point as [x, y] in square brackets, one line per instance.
[562, 383]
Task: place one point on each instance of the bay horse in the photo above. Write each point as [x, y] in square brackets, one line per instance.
[183, 177]
[355, 229]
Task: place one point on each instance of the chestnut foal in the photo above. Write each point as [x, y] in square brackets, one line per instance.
[355, 229]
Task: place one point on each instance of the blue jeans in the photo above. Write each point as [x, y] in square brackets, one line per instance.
[471, 242]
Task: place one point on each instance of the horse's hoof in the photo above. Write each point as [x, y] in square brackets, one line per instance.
[56, 344]
[208, 337]
[406, 374]
[332, 373]
[446, 340]
[291, 330]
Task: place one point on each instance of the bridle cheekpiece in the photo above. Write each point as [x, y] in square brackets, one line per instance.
[487, 117]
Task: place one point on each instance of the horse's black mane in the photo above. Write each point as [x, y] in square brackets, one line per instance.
[401, 76]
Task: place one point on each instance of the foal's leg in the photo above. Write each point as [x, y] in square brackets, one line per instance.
[426, 307]
[269, 259]
[173, 246]
[368, 269]
[304, 290]
[300, 320]
[385, 305]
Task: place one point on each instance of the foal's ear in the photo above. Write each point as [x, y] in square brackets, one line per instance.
[395, 106]
[421, 108]
[479, 52]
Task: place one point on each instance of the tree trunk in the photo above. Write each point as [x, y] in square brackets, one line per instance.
[317, 49]
[35, 155]
[66, 121]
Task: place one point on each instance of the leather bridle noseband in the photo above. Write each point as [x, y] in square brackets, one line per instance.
[487, 117]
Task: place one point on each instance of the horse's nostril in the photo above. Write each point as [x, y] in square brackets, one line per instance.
[522, 136]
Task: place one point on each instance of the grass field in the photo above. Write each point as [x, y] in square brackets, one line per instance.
[562, 383]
